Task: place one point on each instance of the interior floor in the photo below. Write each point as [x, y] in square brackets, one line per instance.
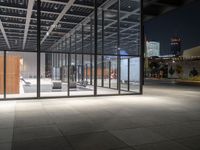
[29, 90]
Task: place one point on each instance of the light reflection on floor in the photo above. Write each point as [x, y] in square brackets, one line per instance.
[161, 118]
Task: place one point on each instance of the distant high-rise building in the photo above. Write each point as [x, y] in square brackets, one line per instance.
[152, 48]
[175, 45]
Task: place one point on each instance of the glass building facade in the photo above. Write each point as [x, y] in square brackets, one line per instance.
[69, 48]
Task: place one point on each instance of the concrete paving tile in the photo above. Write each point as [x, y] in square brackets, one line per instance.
[68, 117]
[78, 127]
[193, 115]
[7, 123]
[137, 136]
[148, 120]
[7, 107]
[6, 134]
[194, 125]
[22, 134]
[191, 142]
[174, 131]
[28, 106]
[5, 146]
[100, 115]
[53, 143]
[32, 122]
[116, 123]
[26, 119]
[125, 148]
[95, 141]
[167, 145]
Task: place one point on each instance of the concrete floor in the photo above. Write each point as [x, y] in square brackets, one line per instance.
[164, 118]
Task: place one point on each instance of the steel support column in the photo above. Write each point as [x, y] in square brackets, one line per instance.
[82, 60]
[109, 73]
[91, 49]
[38, 47]
[128, 75]
[141, 48]
[4, 75]
[69, 65]
[102, 56]
[118, 49]
[95, 45]
[75, 57]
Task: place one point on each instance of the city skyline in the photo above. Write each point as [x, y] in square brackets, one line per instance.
[181, 22]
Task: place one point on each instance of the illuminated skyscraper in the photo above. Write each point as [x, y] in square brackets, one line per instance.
[175, 45]
[153, 48]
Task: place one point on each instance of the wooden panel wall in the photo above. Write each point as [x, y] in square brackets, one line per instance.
[1, 74]
[12, 74]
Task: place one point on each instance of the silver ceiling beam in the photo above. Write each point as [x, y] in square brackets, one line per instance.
[28, 19]
[64, 11]
[4, 34]
[42, 11]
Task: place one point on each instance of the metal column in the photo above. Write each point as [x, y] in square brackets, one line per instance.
[109, 74]
[102, 56]
[141, 48]
[82, 61]
[75, 58]
[69, 65]
[4, 76]
[91, 48]
[128, 75]
[38, 47]
[95, 46]
[118, 49]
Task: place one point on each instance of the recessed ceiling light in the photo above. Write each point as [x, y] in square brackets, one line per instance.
[110, 15]
[20, 2]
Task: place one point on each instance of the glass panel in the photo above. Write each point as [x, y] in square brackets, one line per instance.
[114, 74]
[21, 74]
[1, 74]
[134, 74]
[130, 46]
[72, 75]
[82, 84]
[54, 74]
[107, 72]
[129, 27]
[99, 70]
[110, 29]
[124, 74]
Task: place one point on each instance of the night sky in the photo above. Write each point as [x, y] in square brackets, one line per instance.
[184, 22]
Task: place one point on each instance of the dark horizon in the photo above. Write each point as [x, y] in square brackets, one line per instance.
[182, 22]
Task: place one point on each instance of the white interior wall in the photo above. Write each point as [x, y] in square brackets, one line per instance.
[29, 67]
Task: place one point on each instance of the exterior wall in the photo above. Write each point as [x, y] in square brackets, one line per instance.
[192, 52]
[187, 67]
